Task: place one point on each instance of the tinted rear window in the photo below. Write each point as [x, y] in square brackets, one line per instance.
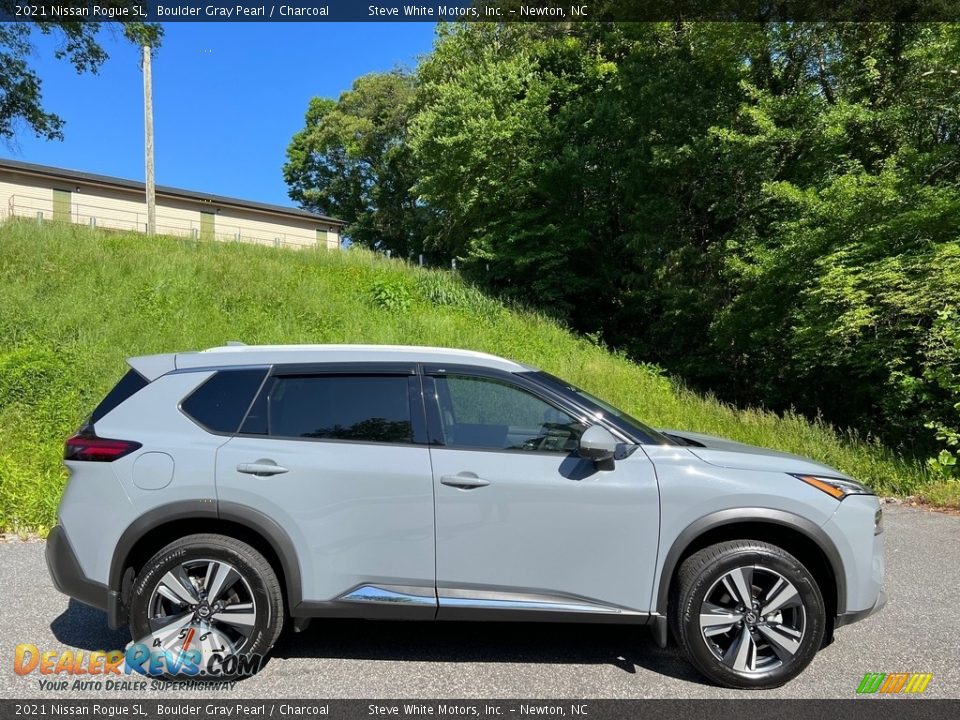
[222, 401]
[130, 384]
[370, 408]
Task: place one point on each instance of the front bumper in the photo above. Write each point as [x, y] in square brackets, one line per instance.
[69, 579]
[848, 618]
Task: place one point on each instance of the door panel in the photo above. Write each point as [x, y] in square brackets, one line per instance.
[525, 524]
[545, 525]
[62, 208]
[357, 513]
[337, 459]
[207, 225]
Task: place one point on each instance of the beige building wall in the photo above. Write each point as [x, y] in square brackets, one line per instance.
[236, 224]
[120, 209]
[24, 200]
[116, 210]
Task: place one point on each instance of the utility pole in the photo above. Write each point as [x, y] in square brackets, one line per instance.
[148, 141]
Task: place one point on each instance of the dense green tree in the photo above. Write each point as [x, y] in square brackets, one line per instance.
[845, 254]
[352, 160]
[498, 169]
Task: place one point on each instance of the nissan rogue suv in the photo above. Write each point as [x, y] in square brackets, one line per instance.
[214, 496]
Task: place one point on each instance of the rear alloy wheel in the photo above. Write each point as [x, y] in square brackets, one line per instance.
[207, 593]
[748, 614]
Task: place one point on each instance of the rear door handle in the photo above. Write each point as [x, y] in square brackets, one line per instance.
[262, 468]
[464, 480]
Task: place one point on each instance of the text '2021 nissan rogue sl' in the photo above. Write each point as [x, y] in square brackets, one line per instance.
[219, 494]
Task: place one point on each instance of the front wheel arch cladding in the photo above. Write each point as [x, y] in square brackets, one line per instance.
[766, 518]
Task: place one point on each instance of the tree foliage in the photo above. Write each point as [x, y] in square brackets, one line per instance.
[21, 99]
[769, 210]
[352, 160]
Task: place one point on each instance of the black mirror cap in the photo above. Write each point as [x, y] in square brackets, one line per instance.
[594, 454]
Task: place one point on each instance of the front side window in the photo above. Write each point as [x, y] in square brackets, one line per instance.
[369, 408]
[631, 425]
[479, 412]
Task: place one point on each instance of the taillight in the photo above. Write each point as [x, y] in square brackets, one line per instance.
[89, 447]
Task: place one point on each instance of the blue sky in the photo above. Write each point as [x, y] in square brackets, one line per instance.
[227, 99]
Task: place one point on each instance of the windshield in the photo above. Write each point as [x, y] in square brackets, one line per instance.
[627, 423]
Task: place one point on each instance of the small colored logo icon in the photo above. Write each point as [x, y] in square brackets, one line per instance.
[894, 683]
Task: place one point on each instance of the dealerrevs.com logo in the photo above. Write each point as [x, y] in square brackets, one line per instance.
[109, 667]
[894, 683]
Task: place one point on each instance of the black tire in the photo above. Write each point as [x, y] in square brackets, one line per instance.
[704, 577]
[254, 592]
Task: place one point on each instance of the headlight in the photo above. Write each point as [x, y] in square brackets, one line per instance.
[834, 486]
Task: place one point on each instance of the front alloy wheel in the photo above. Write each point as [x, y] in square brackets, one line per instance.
[748, 614]
[752, 619]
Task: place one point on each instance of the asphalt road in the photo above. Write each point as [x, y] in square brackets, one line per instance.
[918, 631]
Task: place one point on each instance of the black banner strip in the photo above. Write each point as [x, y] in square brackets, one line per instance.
[194, 709]
[480, 10]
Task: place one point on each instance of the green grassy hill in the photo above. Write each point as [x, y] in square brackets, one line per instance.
[75, 303]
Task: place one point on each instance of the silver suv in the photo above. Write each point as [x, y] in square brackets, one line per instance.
[214, 495]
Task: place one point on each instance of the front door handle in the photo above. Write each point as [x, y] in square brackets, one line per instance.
[464, 480]
[263, 468]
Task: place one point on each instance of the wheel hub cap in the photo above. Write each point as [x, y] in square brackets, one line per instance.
[753, 619]
[210, 596]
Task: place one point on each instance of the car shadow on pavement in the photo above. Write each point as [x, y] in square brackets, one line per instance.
[86, 628]
[624, 647]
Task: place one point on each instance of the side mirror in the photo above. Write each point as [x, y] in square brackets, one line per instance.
[597, 444]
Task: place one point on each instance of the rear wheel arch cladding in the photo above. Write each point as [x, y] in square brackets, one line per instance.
[157, 527]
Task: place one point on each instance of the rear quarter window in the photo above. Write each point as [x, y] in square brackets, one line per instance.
[129, 385]
[220, 404]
